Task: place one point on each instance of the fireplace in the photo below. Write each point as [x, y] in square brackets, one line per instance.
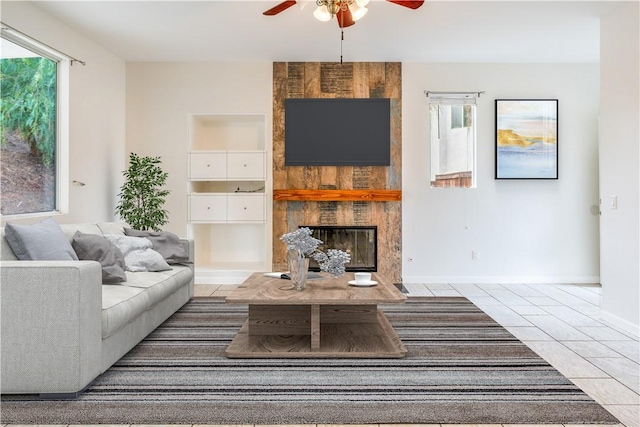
[361, 242]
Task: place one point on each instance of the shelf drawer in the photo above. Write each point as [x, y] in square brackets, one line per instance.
[245, 208]
[245, 165]
[210, 207]
[208, 165]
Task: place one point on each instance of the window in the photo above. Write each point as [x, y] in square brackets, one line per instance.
[460, 116]
[453, 140]
[33, 119]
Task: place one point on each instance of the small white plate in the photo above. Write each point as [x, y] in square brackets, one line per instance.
[367, 283]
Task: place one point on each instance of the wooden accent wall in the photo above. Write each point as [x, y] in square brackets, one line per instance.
[334, 80]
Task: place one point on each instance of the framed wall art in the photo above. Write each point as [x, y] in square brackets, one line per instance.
[526, 139]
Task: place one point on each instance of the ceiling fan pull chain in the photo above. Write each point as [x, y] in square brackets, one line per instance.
[341, 40]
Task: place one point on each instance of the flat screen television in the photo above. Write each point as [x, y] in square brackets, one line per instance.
[337, 132]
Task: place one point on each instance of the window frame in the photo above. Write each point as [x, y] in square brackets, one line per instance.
[63, 72]
[466, 120]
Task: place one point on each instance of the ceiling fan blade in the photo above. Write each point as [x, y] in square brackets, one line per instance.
[411, 4]
[344, 18]
[279, 8]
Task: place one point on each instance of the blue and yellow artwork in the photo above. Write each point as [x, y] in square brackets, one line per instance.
[527, 139]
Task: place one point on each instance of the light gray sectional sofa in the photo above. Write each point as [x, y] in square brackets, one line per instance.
[61, 327]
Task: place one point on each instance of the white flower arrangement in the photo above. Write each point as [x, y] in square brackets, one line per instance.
[302, 241]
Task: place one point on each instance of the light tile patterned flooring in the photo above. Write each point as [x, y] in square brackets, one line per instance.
[561, 323]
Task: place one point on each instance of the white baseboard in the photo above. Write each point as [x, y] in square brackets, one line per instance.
[501, 279]
[620, 323]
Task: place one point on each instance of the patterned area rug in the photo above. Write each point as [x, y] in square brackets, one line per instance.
[461, 368]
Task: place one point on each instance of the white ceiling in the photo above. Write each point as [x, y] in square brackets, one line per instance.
[440, 31]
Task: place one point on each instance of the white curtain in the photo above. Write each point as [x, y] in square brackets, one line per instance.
[452, 139]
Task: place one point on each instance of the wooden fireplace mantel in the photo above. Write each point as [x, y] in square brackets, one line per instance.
[338, 195]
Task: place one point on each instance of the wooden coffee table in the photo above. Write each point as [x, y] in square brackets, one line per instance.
[330, 318]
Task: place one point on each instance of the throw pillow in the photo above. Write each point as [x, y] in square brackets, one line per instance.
[138, 253]
[42, 241]
[165, 243]
[96, 248]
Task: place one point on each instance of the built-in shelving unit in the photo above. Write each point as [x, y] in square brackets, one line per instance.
[227, 187]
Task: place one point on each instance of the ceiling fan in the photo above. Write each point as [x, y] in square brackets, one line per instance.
[347, 12]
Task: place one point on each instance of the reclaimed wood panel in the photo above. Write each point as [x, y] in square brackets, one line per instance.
[394, 180]
[335, 80]
[393, 72]
[377, 81]
[295, 80]
[360, 80]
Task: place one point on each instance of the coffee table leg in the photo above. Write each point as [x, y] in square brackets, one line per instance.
[315, 327]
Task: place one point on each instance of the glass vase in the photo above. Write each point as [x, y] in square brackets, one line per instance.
[298, 267]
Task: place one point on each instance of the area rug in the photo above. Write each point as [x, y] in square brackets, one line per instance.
[461, 368]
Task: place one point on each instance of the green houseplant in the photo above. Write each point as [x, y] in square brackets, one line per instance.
[142, 196]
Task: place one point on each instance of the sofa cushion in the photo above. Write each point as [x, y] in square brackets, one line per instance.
[142, 291]
[120, 305]
[112, 227]
[138, 253]
[70, 229]
[41, 241]
[165, 243]
[160, 284]
[97, 248]
[6, 253]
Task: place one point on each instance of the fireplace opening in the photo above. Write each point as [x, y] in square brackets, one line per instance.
[360, 242]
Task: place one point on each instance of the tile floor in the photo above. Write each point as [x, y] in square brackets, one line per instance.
[561, 323]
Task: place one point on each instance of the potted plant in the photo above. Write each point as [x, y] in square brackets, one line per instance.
[142, 196]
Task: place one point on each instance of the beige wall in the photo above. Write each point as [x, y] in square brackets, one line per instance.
[97, 118]
[523, 230]
[160, 97]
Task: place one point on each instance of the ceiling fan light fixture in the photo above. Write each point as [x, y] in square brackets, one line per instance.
[327, 9]
[333, 6]
[322, 14]
[357, 11]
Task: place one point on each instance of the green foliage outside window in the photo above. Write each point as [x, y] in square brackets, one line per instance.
[28, 103]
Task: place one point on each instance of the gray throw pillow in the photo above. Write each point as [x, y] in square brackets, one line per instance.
[42, 241]
[96, 248]
[165, 243]
[138, 255]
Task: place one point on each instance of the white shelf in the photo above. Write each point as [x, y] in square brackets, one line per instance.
[228, 176]
[235, 187]
[227, 132]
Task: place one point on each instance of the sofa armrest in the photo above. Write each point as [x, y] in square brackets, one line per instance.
[50, 325]
[189, 247]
